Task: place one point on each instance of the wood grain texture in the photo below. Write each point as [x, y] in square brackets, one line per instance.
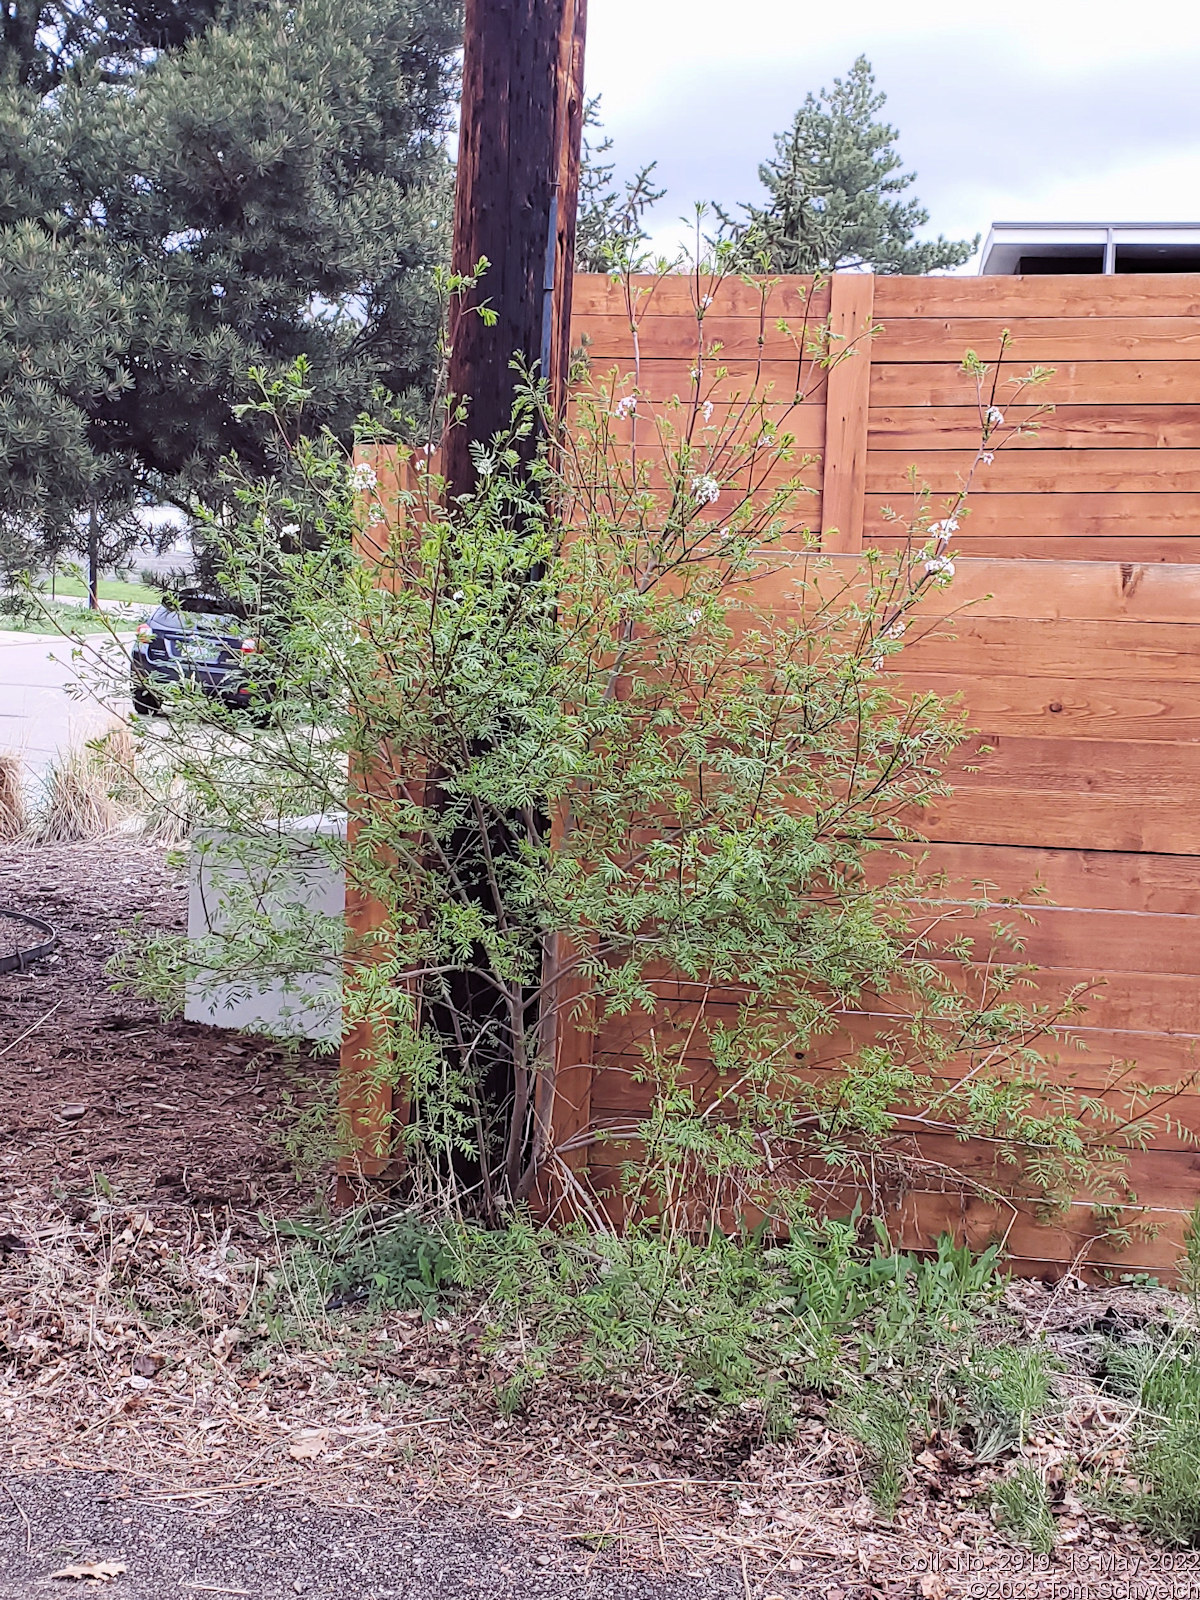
[1043, 471]
[1163, 295]
[1141, 522]
[844, 463]
[518, 154]
[1069, 427]
[1038, 339]
[1088, 879]
[1102, 382]
[1034, 340]
[1070, 633]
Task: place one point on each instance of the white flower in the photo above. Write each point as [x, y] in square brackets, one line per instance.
[877, 664]
[945, 529]
[767, 437]
[706, 491]
[362, 478]
[705, 302]
[897, 630]
[457, 595]
[941, 566]
[995, 416]
[694, 617]
[695, 374]
[625, 405]
[987, 458]
[707, 409]
[290, 528]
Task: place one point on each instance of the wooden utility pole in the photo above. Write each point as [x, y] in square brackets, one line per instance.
[520, 137]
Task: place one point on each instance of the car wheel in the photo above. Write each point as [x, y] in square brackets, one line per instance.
[145, 703]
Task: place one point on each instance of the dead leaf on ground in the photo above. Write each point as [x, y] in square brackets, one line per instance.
[72, 1112]
[224, 1343]
[103, 1571]
[933, 1586]
[308, 1444]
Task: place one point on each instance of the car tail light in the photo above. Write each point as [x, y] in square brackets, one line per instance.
[249, 646]
[145, 633]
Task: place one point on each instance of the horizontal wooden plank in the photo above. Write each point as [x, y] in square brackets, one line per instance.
[1040, 471]
[681, 295]
[1073, 1240]
[1105, 474]
[1092, 1061]
[1072, 708]
[1003, 815]
[780, 382]
[1100, 880]
[1038, 1248]
[1068, 427]
[1165, 1119]
[1107, 384]
[1115, 1002]
[1063, 592]
[1125, 294]
[1009, 647]
[1129, 547]
[665, 426]
[1123, 942]
[1082, 514]
[1034, 340]
[1102, 383]
[1041, 341]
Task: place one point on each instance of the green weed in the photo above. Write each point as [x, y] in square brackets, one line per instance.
[1024, 1508]
[1163, 1379]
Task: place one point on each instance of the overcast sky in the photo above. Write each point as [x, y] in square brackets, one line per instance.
[1007, 111]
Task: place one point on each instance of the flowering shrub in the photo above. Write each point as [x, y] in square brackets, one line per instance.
[627, 760]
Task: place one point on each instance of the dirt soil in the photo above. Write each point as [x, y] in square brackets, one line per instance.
[96, 1087]
[150, 1421]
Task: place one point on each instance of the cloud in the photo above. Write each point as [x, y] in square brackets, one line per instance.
[985, 120]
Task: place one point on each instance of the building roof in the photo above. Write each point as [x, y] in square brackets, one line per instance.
[1007, 243]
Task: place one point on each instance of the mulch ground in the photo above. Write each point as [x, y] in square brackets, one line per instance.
[150, 1422]
[99, 1090]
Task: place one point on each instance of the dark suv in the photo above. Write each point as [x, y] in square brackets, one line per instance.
[197, 638]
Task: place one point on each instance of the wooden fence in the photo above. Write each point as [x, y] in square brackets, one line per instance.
[1079, 660]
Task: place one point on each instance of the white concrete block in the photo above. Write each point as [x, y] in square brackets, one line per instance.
[292, 888]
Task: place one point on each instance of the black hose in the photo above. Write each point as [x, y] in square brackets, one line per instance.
[18, 960]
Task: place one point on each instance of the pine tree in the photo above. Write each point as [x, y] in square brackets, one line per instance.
[276, 186]
[610, 229]
[834, 191]
[44, 41]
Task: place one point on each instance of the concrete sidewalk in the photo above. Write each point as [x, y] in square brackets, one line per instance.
[38, 716]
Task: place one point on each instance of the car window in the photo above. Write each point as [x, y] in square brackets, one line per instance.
[188, 620]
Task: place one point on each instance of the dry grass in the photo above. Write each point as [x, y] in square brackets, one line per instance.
[92, 791]
[14, 809]
[88, 790]
[180, 1348]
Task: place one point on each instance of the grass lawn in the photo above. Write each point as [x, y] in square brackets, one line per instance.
[72, 585]
[66, 619]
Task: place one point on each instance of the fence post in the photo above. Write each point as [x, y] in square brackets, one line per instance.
[844, 484]
[368, 1108]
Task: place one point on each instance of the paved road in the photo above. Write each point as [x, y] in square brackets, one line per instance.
[38, 717]
[188, 1546]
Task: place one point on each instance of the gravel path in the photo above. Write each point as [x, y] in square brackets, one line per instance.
[276, 1551]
